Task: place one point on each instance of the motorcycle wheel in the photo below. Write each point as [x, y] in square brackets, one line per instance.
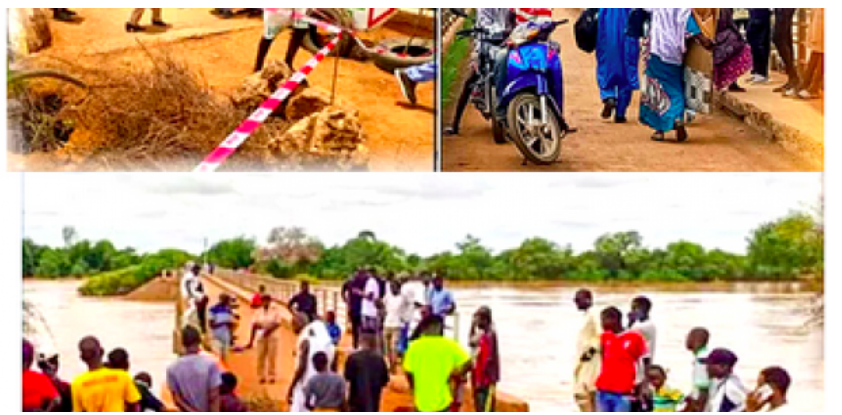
[539, 144]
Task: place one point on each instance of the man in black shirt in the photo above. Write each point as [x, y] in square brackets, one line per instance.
[367, 374]
[306, 303]
[352, 293]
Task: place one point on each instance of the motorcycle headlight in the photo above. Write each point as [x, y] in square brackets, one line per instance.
[522, 34]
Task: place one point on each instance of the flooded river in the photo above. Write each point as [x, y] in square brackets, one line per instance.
[537, 328]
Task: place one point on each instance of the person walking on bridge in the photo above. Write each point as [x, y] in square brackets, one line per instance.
[265, 329]
[102, 389]
[194, 380]
[312, 340]
[305, 302]
[222, 322]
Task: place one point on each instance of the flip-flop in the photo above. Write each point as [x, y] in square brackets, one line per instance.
[659, 137]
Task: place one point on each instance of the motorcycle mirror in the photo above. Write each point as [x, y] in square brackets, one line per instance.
[562, 22]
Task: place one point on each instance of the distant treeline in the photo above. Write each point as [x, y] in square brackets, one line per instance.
[786, 249]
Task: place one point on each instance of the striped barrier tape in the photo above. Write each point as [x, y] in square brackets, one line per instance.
[250, 125]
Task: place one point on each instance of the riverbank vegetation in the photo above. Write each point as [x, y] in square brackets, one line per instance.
[787, 249]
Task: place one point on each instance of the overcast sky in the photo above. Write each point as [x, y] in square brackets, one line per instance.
[424, 214]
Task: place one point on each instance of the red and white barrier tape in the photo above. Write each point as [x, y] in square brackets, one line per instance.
[304, 18]
[250, 125]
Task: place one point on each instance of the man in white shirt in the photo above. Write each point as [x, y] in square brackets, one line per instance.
[370, 310]
[194, 296]
[397, 307]
[727, 392]
[588, 359]
[641, 322]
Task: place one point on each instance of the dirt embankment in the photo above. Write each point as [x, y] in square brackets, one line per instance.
[158, 290]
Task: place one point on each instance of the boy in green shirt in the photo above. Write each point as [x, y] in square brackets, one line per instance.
[665, 399]
[431, 363]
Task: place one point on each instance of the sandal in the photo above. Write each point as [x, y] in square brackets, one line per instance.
[681, 132]
[658, 136]
[610, 106]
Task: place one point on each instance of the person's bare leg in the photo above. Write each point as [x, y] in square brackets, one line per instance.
[133, 25]
[158, 17]
[296, 40]
[262, 52]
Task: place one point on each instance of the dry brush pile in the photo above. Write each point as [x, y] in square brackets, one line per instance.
[165, 116]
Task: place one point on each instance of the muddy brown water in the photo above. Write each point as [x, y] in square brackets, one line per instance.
[764, 325]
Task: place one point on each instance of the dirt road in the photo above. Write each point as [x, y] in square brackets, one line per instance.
[718, 143]
[400, 137]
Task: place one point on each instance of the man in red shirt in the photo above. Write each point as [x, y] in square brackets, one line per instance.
[257, 300]
[486, 374]
[621, 352]
[39, 394]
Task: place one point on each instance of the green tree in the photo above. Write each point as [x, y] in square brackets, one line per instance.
[613, 249]
[31, 257]
[235, 253]
[787, 247]
[69, 235]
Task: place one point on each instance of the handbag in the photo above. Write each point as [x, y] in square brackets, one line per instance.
[729, 43]
[587, 30]
[636, 27]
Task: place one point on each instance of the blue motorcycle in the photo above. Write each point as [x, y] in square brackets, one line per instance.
[533, 97]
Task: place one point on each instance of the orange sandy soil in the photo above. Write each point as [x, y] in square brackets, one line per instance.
[718, 142]
[396, 397]
[400, 137]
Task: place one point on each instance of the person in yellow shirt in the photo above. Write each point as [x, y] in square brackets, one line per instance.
[102, 389]
[665, 398]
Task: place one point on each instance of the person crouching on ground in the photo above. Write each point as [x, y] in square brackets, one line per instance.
[324, 392]
[664, 398]
[621, 353]
[663, 106]
[486, 373]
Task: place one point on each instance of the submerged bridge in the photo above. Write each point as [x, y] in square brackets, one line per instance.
[397, 397]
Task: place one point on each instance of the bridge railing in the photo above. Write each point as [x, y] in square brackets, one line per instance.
[329, 297]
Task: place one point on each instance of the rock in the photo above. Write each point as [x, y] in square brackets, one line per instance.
[313, 100]
[251, 92]
[331, 139]
[258, 87]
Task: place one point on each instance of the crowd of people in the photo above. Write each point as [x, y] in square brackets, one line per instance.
[616, 368]
[397, 325]
[659, 40]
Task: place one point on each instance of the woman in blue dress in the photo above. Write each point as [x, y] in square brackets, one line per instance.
[663, 105]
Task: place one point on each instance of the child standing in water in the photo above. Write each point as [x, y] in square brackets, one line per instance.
[665, 398]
